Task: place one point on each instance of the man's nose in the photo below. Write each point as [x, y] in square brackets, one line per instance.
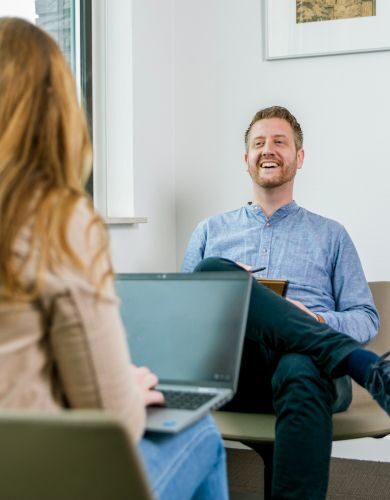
[267, 149]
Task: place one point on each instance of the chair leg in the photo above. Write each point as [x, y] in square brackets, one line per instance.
[266, 451]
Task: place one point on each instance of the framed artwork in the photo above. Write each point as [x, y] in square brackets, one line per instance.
[302, 28]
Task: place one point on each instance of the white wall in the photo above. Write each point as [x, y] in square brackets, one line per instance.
[151, 246]
[199, 76]
[342, 102]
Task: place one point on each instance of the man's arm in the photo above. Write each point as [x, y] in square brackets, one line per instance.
[355, 313]
[195, 249]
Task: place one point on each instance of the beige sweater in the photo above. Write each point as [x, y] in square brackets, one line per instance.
[68, 348]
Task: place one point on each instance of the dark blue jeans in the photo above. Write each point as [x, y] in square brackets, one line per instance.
[289, 365]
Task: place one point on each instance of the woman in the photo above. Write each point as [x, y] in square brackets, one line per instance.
[62, 343]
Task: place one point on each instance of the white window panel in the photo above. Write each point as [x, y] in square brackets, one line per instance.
[113, 110]
[60, 18]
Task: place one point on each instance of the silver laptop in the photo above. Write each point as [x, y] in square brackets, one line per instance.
[188, 328]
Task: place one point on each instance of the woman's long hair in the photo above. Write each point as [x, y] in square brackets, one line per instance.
[45, 154]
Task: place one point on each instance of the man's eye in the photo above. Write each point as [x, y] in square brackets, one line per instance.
[257, 144]
[279, 142]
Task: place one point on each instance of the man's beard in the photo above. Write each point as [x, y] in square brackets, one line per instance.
[285, 175]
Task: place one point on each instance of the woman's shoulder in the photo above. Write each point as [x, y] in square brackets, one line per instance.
[86, 230]
[87, 241]
[83, 212]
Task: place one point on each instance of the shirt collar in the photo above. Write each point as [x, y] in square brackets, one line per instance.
[279, 214]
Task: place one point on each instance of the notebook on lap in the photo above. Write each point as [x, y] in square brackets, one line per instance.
[278, 286]
[188, 328]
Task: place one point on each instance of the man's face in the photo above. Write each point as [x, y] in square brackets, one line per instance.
[272, 157]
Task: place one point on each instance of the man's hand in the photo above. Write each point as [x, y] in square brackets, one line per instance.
[146, 381]
[244, 266]
[250, 268]
[303, 308]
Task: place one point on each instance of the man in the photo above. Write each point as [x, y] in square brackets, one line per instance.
[326, 281]
[315, 254]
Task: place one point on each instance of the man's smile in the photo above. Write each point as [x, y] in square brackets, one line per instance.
[269, 164]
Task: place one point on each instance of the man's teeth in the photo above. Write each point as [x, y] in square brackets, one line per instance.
[269, 165]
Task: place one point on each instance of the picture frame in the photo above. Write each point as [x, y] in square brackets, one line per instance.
[287, 37]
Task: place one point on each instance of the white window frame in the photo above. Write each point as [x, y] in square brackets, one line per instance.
[77, 48]
[112, 70]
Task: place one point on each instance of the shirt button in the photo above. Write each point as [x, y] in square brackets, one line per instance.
[265, 250]
[268, 224]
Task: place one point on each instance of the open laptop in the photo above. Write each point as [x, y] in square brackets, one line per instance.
[188, 328]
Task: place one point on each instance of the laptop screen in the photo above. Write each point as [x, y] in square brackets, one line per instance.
[187, 328]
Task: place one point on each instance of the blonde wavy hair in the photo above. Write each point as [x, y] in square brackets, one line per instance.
[45, 155]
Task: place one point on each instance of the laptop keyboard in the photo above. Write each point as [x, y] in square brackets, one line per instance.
[185, 400]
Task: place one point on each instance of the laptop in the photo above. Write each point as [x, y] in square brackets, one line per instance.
[189, 329]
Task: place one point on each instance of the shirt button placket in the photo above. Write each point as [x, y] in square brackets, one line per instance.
[265, 248]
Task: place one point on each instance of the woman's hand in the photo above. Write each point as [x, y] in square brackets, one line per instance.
[146, 381]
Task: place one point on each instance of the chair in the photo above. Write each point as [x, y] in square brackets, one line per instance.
[364, 418]
[78, 455]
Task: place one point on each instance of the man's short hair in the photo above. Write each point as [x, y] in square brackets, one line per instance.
[277, 112]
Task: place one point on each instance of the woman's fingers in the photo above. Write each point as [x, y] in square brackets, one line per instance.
[154, 398]
[147, 381]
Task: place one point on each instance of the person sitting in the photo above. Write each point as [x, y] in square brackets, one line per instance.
[62, 343]
[279, 369]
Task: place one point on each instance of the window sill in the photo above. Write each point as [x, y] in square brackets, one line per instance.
[120, 221]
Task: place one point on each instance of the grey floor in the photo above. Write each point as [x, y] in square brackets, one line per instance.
[349, 479]
[245, 496]
[245, 473]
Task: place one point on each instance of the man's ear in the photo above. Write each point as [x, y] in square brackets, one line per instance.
[300, 157]
[246, 160]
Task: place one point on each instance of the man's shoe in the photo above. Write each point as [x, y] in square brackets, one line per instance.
[378, 382]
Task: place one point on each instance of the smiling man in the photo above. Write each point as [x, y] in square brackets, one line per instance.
[273, 155]
[315, 254]
[326, 281]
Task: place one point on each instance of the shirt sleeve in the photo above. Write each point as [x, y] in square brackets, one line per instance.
[355, 313]
[87, 336]
[195, 249]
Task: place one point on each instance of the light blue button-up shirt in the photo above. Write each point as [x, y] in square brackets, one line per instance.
[316, 255]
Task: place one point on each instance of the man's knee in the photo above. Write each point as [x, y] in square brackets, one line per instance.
[212, 264]
[294, 365]
[299, 377]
